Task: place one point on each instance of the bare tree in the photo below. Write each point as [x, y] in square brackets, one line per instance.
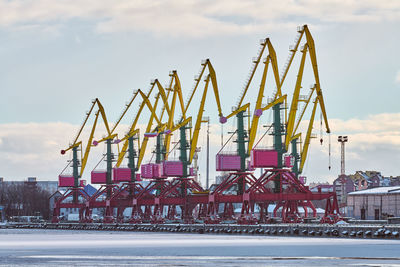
[24, 200]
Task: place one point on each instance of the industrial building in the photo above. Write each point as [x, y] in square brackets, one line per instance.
[360, 180]
[50, 186]
[342, 186]
[374, 204]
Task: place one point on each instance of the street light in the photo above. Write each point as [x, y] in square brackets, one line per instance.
[342, 140]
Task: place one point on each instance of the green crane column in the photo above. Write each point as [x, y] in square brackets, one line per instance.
[295, 168]
[109, 161]
[75, 166]
[183, 159]
[160, 153]
[183, 148]
[75, 173]
[241, 149]
[131, 159]
[278, 146]
[109, 158]
[159, 149]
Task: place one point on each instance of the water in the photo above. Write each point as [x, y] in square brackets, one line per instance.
[36, 247]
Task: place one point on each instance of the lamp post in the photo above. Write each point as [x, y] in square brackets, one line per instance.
[342, 140]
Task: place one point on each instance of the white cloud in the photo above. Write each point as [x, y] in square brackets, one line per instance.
[374, 144]
[195, 18]
[33, 149]
[384, 122]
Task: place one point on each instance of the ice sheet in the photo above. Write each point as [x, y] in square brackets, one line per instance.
[88, 248]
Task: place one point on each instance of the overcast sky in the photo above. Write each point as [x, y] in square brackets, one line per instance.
[58, 55]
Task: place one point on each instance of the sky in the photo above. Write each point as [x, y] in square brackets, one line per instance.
[56, 56]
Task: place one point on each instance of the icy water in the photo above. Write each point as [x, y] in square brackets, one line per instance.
[20, 247]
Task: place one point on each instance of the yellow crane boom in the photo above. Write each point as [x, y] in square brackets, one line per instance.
[176, 94]
[132, 130]
[294, 120]
[295, 100]
[88, 145]
[206, 64]
[311, 46]
[277, 98]
[304, 152]
[85, 156]
[194, 136]
[252, 72]
[196, 132]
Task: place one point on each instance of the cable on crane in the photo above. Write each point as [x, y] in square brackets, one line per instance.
[321, 140]
[222, 134]
[329, 152]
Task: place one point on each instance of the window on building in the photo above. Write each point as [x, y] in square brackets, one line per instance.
[350, 211]
[362, 214]
[377, 214]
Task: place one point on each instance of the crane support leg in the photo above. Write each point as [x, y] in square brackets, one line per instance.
[131, 159]
[278, 146]
[183, 148]
[241, 148]
[295, 155]
[75, 173]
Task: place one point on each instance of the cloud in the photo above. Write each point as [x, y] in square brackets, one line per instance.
[374, 144]
[33, 149]
[195, 18]
[384, 122]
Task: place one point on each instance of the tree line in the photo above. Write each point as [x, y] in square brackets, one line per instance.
[24, 199]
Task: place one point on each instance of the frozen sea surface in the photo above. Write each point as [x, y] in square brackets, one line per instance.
[33, 247]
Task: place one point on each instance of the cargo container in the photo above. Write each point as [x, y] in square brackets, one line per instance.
[264, 158]
[228, 162]
[173, 168]
[66, 181]
[98, 177]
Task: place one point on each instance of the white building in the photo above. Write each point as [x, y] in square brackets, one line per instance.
[374, 204]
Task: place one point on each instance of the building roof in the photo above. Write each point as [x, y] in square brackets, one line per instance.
[364, 175]
[324, 188]
[55, 193]
[378, 190]
[90, 190]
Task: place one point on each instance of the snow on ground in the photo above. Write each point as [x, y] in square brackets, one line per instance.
[88, 248]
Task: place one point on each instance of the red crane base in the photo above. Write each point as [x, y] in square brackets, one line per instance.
[184, 200]
[74, 198]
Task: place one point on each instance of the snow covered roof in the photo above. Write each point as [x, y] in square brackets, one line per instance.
[378, 190]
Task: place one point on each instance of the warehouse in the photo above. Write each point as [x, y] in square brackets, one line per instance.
[374, 204]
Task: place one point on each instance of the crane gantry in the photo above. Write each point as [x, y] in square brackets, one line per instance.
[171, 183]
